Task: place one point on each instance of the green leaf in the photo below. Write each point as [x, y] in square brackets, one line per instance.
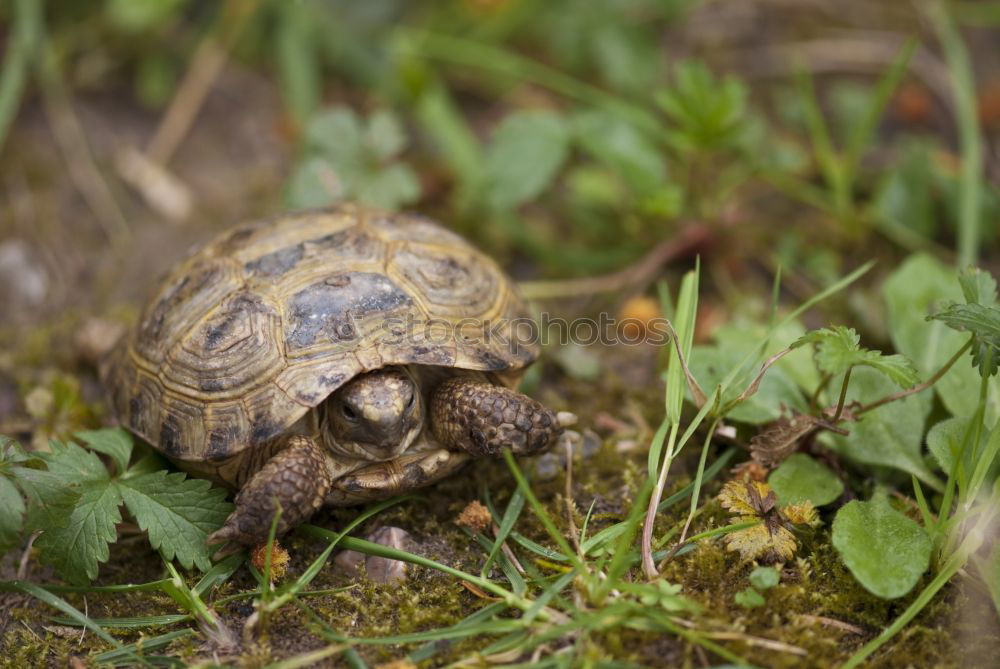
[113, 442]
[140, 15]
[385, 135]
[905, 199]
[707, 112]
[743, 335]
[346, 158]
[764, 578]
[978, 287]
[984, 324]
[623, 148]
[76, 550]
[944, 441]
[314, 183]
[526, 152]
[838, 349]
[890, 435]
[920, 287]
[51, 500]
[390, 188]
[74, 465]
[336, 133]
[11, 514]
[178, 513]
[749, 598]
[886, 551]
[711, 364]
[800, 478]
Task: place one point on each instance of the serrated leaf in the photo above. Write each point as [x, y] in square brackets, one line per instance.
[897, 367]
[890, 435]
[838, 349]
[76, 551]
[801, 478]
[73, 464]
[984, 324]
[11, 514]
[920, 287]
[178, 513]
[526, 152]
[760, 541]
[978, 287]
[886, 551]
[113, 442]
[50, 499]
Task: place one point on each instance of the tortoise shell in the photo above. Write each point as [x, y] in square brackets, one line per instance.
[254, 329]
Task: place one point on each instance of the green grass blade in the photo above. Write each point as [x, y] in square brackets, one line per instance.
[884, 89]
[219, 573]
[541, 513]
[510, 517]
[127, 654]
[687, 308]
[128, 623]
[829, 161]
[56, 602]
[964, 89]
[22, 42]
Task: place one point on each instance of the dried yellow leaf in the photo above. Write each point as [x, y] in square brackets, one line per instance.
[803, 513]
[760, 541]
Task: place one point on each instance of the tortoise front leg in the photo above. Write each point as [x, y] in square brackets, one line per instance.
[379, 480]
[481, 418]
[296, 480]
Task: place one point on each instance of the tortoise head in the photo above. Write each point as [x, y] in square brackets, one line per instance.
[374, 416]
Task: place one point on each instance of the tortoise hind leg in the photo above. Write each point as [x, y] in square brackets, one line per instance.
[481, 418]
[296, 480]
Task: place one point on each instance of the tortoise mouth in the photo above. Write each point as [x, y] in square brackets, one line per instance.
[388, 448]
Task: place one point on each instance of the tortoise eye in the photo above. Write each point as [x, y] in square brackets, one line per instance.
[413, 400]
[348, 412]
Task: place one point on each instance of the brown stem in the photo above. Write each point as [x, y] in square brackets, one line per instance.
[917, 388]
[692, 237]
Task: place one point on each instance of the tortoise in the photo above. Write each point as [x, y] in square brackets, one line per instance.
[331, 357]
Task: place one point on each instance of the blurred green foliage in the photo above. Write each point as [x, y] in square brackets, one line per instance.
[563, 130]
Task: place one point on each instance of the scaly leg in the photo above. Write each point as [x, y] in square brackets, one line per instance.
[296, 480]
[481, 418]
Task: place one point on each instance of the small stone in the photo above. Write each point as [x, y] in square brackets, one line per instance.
[626, 445]
[591, 444]
[475, 516]
[548, 466]
[24, 281]
[566, 418]
[39, 402]
[95, 338]
[379, 569]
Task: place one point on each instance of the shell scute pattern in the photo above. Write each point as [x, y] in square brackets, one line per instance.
[257, 327]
